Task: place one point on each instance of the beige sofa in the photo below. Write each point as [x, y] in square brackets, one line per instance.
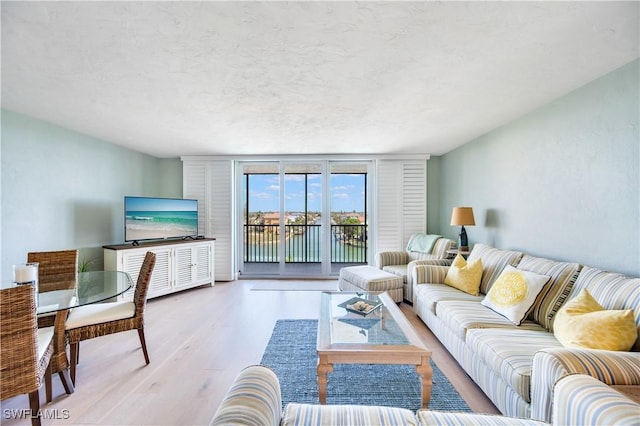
[421, 249]
[517, 366]
[254, 399]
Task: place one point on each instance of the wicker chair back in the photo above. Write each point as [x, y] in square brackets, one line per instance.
[22, 370]
[58, 270]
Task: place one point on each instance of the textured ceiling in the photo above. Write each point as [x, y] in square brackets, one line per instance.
[191, 78]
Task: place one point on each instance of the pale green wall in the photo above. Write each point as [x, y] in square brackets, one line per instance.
[561, 182]
[62, 189]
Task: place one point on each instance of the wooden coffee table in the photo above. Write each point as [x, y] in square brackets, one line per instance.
[383, 336]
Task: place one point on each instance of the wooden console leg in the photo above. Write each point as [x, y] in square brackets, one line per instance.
[323, 369]
[425, 372]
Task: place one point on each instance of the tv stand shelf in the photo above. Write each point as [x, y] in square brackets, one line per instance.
[180, 264]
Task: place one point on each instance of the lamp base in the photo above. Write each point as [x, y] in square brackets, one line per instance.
[463, 242]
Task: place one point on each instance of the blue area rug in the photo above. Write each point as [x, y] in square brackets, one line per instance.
[291, 353]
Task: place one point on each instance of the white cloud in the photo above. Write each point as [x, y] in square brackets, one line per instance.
[342, 188]
[262, 195]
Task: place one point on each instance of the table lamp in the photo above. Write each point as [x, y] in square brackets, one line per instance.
[462, 216]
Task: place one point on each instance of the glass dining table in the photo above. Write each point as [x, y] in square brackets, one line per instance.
[89, 288]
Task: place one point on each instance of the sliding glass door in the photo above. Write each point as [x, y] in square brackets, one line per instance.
[349, 242]
[303, 218]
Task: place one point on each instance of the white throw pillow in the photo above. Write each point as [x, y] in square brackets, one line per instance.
[514, 293]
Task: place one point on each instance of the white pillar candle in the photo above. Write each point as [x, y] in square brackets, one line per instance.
[25, 273]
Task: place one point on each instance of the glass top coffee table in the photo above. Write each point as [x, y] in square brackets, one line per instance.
[367, 328]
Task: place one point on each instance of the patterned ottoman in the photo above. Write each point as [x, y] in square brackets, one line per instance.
[369, 278]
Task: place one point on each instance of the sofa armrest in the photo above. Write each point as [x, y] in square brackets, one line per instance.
[428, 274]
[385, 258]
[253, 399]
[426, 262]
[550, 365]
[579, 399]
[422, 262]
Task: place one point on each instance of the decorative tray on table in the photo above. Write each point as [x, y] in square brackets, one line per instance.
[360, 306]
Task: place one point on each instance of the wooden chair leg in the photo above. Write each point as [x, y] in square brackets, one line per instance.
[143, 343]
[47, 384]
[73, 361]
[65, 378]
[34, 405]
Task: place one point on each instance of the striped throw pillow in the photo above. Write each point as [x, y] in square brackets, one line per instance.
[555, 292]
[493, 262]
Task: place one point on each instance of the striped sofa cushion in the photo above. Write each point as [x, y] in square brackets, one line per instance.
[493, 262]
[431, 294]
[579, 399]
[346, 415]
[611, 290]
[462, 315]
[253, 399]
[512, 361]
[442, 418]
[555, 291]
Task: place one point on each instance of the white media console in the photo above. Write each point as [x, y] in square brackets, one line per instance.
[180, 264]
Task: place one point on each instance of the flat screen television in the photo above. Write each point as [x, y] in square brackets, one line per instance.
[148, 218]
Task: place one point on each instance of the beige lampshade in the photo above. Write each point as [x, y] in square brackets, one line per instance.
[462, 216]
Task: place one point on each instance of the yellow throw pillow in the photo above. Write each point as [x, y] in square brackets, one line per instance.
[465, 276]
[583, 323]
[514, 293]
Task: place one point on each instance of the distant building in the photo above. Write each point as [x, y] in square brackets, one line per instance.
[271, 218]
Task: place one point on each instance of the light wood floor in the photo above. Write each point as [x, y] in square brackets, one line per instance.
[198, 341]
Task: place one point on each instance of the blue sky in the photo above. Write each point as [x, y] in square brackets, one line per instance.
[347, 193]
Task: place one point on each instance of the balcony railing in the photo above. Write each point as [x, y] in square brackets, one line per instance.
[303, 243]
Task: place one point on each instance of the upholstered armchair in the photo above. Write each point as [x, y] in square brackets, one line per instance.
[422, 249]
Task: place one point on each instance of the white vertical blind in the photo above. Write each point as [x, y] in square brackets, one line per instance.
[414, 198]
[388, 210]
[401, 202]
[194, 186]
[211, 183]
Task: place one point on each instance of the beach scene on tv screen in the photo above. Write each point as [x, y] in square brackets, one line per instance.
[156, 218]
